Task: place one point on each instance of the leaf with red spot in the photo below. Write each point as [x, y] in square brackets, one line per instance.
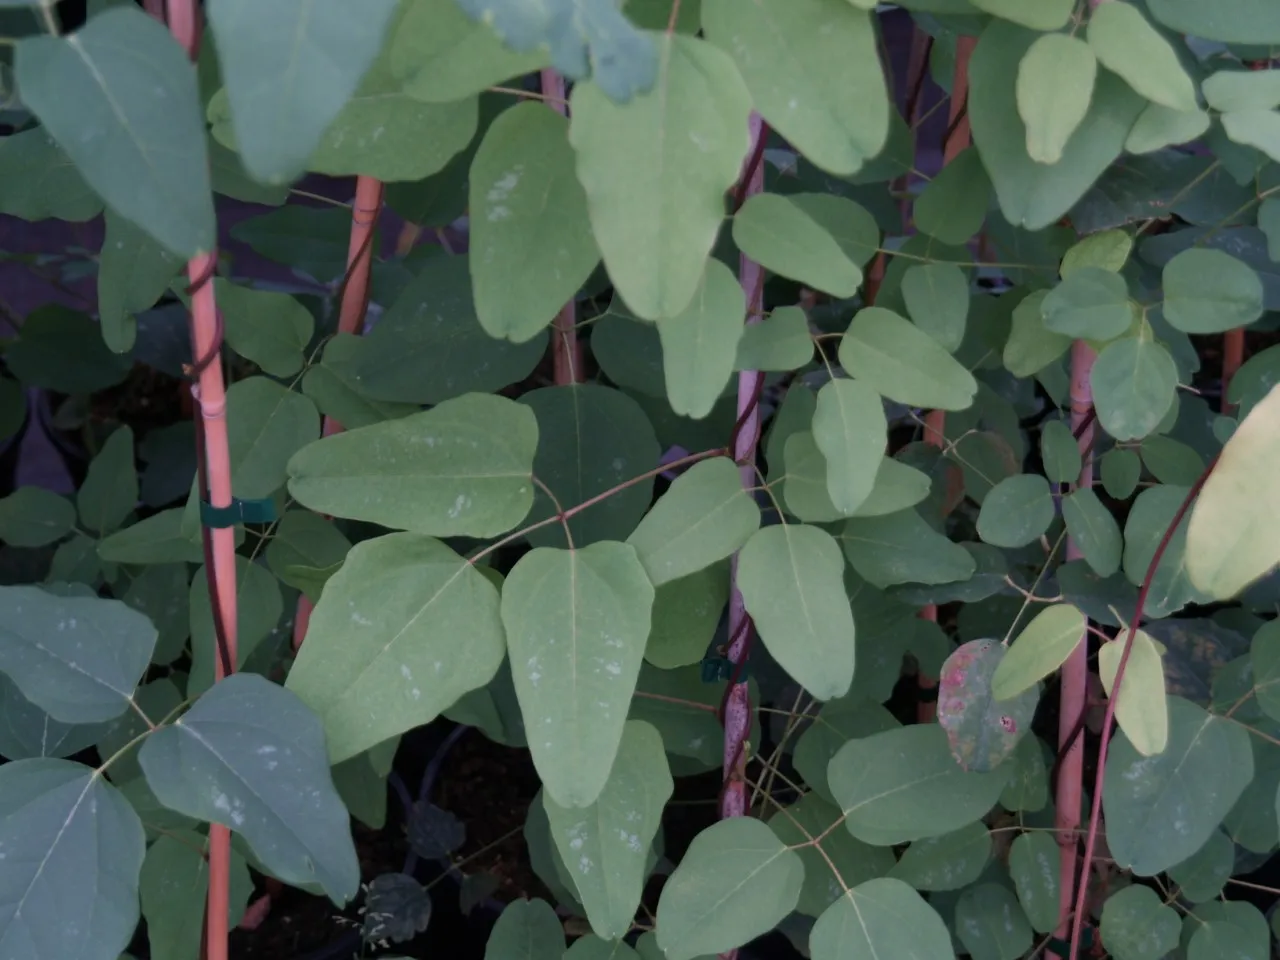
[982, 730]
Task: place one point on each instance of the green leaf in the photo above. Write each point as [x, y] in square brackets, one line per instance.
[26, 731]
[35, 517]
[1234, 90]
[591, 947]
[586, 38]
[605, 845]
[75, 848]
[1202, 876]
[1094, 530]
[1232, 21]
[1032, 346]
[304, 539]
[686, 613]
[953, 206]
[1148, 521]
[1208, 291]
[1041, 648]
[688, 731]
[173, 886]
[1091, 303]
[272, 329]
[902, 548]
[133, 273]
[947, 862]
[1033, 864]
[462, 468]
[705, 516]
[591, 439]
[850, 429]
[110, 489]
[1138, 925]
[332, 388]
[804, 485]
[1158, 127]
[700, 343]
[781, 341]
[1127, 44]
[121, 738]
[267, 423]
[259, 606]
[145, 154]
[1269, 223]
[902, 785]
[576, 623]
[880, 918]
[809, 818]
[736, 881]
[1170, 461]
[1060, 452]
[851, 717]
[1016, 511]
[1141, 704]
[1036, 14]
[58, 192]
[1055, 85]
[527, 930]
[792, 581]
[904, 363]
[1222, 938]
[251, 756]
[77, 657]
[655, 171]
[531, 244]
[937, 297]
[382, 654]
[1034, 195]
[1120, 470]
[157, 539]
[812, 70]
[897, 487]
[442, 55]
[1162, 809]
[1264, 656]
[63, 351]
[282, 106]
[383, 131]
[1107, 249]
[990, 924]
[1254, 128]
[1134, 384]
[1229, 545]
[780, 236]
[982, 730]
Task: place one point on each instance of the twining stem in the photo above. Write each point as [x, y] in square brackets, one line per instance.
[1232, 359]
[1095, 811]
[736, 713]
[1075, 671]
[566, 351]
[935, 421]
[353, 306]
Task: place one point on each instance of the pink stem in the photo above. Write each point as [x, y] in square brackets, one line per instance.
[1075, 672]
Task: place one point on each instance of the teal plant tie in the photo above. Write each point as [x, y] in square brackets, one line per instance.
[237, 512]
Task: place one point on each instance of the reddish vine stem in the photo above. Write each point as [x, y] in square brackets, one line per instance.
[566, 350]
[1095, 810]
[735, 710]
[1232, 360]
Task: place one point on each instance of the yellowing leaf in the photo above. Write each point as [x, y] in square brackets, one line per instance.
[1234, 534]
[1041, 648]
[1127, 44]
[1055, 83]
[1141, 707]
